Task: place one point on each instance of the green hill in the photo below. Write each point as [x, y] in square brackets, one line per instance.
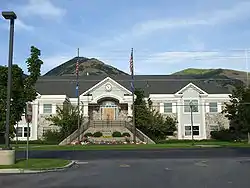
[86, 66]
[224, 77]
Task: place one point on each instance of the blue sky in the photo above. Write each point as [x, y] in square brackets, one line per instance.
[167, 36]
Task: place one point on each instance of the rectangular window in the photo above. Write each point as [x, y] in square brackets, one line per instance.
[19, 131]
[188, 103]
[196, 131]
[47, 108]
[167, 107]
[26, 131]
[213, 107]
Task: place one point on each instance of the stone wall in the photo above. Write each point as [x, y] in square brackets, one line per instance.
[215, 119]
[43, 125]
[122, 114]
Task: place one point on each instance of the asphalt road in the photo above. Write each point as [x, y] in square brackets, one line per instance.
[141, 154]
[141, 173]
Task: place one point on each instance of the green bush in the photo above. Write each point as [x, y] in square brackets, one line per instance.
[88, 134]
[53, 136]
[117, 134]
[126, 134]
[38, 142]
[227, 135]
[97, 134]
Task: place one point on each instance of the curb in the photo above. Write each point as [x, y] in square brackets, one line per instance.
[27, 171]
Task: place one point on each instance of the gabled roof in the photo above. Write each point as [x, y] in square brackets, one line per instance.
[154, 84]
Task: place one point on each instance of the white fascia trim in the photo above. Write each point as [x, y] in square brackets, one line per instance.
[53, 97]
[161, 96]
[218, 96]
[191, 84]
[101, 82]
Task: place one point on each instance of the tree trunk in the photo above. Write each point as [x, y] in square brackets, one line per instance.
[248, 137]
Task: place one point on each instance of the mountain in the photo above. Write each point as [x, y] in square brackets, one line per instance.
[223, 77]
[86, 66]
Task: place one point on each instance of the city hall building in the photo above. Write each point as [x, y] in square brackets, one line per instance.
[105, 98]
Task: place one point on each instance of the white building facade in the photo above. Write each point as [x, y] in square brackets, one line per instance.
[110, 98]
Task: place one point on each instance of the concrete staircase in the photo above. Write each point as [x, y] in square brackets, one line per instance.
[107, 128]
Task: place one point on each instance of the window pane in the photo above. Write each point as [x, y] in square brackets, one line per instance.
[213, 107]
[194, 106]
[168, 107]
[47, 108]
[19, 131]
[187, 130]
[26, 131]
[186, 105]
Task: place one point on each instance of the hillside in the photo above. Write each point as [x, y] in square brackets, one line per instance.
[86, 66]
[224, 77]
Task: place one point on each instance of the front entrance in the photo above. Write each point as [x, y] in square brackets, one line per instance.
[108, 114]
[108, 110]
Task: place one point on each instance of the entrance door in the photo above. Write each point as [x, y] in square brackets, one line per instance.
[108, 114]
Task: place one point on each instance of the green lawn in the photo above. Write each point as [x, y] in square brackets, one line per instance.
[37, 164]
[141, 146]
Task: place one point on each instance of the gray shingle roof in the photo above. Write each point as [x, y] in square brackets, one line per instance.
[155, 84]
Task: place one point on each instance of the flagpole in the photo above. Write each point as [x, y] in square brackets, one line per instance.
[133, 93]
[78, 98]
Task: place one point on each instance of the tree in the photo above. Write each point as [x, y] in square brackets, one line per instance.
[66, 119]
[238, 110]
[149, 120]
[23, 89]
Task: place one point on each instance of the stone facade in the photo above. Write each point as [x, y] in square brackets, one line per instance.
[215, 119]
[44, 125]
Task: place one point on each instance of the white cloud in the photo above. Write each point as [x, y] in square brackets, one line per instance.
[217, 17]
[237, 12]
[19, 25]
[54, 61]
[42, 8]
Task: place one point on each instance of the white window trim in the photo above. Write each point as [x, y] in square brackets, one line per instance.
[24, 126]
[190, 136]
[190, 99]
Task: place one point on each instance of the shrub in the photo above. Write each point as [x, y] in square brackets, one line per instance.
[126, 134]
[53, 136]
[97, 134]
[224, 135]
[88, 134]
[117, 134]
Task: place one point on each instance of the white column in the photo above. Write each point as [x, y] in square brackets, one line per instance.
[85, 110]
[203, 130]
[34, 129]
[130, 112]
[179, 113]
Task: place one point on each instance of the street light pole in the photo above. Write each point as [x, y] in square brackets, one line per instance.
[192, 122]
[9, 16]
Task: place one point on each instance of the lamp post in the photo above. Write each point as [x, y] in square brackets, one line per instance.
[191, 119]
[9, 15]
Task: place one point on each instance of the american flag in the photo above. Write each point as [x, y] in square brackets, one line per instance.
[131, 63]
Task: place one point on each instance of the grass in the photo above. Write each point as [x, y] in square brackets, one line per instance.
[34, 164]
[179, 144]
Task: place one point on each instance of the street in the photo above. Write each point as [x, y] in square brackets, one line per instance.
[140, 154]
[147, 173]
